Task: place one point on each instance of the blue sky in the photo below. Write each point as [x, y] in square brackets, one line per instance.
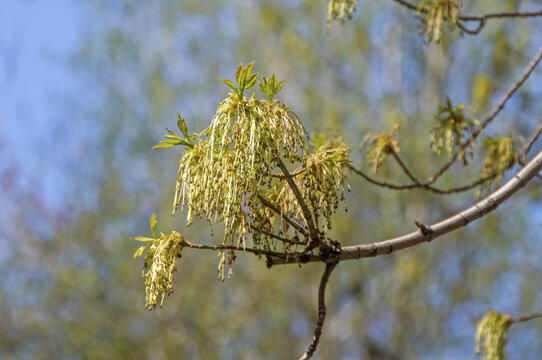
[36, 39]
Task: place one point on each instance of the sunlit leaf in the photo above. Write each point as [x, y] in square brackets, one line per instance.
[140, 250]
[182, 125]
[143, 239]
[152, 223]
[229, 83]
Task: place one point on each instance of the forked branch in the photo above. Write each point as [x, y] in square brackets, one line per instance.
[462, 218]
[492, 114]
[419, 185]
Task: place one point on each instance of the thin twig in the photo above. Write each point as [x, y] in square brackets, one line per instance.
[530, 141]
[493, 113]
[404, 167]
[322, 310]
[258, 252]
[277, 210]
[481, 25]
[384, 184]
[479, 18]
[504, 14]
[407, 4]
[304, 209]
[420, 185]
[282, 176]
[525, 318]
[280, 238]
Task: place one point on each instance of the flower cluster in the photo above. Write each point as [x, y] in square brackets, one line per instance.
[160, 263]
[433, 13]
[453, 126]
[221, 175]
[492, 328]
[500, 156]
[340, 9]
[323, 179]
[378, 146]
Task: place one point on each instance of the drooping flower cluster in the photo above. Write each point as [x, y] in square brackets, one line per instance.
[433, 14]
[323, 179]
[500, 156]
[378, 146]
[340, 9]
[492, 330]
[220, 176]
[160, 262]
[454, 125]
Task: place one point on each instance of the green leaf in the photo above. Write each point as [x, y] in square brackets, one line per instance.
[152, 222]
[244, 78]
[251, 81]
[182, 125]
[143, 239]
[140, 251]
[248, 68]
[238, 73]
[174, 140]
[278, 86]
[263, 87]
[229, 83]
[270, 87]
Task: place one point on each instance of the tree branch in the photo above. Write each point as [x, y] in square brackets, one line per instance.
[322, 310]
[493, 113]
[481, 19]
[282, 176]
[304, 209]
[407, 4]
[286, 218]
[530, 141]
[462, 218]
[420, 185]
[504, 14]
[280, 238]
[404, 167]
[258, 252]
[525, 318]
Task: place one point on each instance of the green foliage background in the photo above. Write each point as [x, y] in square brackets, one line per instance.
[74, 291]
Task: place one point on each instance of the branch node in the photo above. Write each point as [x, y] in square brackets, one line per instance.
[464, 219]
[373, 250]
[425, 230]
[521, 182]
[492, 204]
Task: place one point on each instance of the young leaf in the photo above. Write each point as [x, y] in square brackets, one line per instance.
[143, 239]
[229, 83]
[238, 73]
[251, 81]
[278, 86]
[152, 222]
[244, 78]
[140, 251]
[174, 140]
[182, 125]
[270, 87]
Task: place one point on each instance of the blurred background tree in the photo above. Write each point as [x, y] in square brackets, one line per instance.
[70, 288]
